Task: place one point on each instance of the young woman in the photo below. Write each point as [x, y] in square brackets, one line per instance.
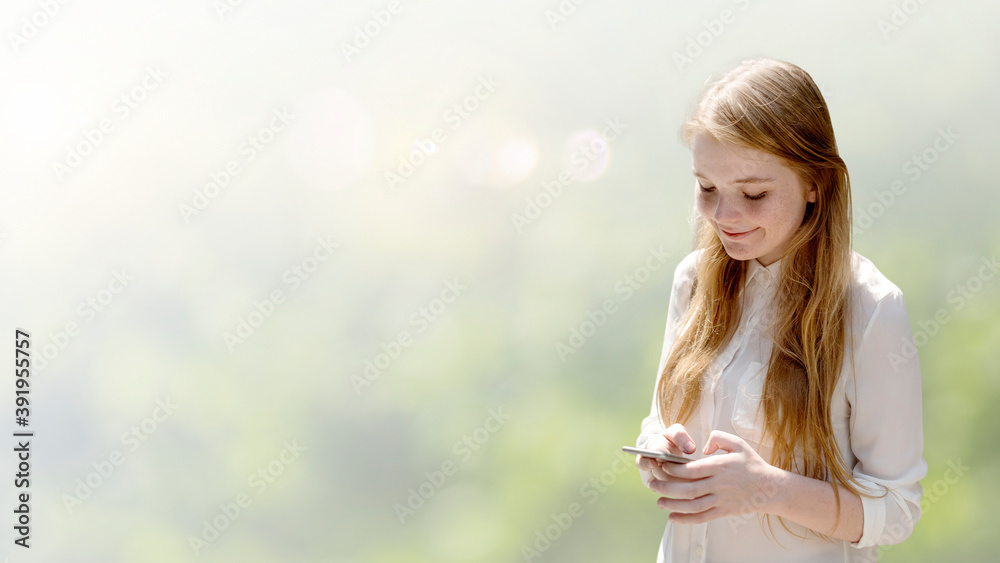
[782, 370]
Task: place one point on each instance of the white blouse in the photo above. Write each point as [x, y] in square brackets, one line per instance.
[876, 410]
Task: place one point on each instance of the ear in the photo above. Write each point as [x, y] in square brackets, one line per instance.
[811, 194]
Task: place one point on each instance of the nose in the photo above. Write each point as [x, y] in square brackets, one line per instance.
[727, 211]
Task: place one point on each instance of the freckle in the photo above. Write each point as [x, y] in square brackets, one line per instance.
[754, 211]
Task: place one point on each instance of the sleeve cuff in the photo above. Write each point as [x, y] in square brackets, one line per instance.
[889, 519]
[874, 516]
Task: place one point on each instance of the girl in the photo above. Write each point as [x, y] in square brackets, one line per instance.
[782, 369]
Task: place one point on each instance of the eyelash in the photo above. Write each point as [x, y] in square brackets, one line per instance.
[750, 197]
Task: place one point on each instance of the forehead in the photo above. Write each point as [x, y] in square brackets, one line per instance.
[726, 162]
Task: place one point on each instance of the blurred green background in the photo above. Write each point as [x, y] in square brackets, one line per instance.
[478, 419]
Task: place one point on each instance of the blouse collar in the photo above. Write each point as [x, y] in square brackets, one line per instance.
[765, 275]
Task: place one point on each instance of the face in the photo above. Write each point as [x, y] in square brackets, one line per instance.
[752, 200]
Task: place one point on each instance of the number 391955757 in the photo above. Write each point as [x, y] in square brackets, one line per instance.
[22, 365]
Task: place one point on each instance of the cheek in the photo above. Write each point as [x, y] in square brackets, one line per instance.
[778, 215]
[704, 206]
[761, 213]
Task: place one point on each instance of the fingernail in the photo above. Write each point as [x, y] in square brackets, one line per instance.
[689, 448]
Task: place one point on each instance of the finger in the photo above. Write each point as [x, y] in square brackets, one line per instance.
[648, 463]
[641, 463]
[725, 441]
[687, 506]
[646, 477]
[687, 471]
[659, 473]
[678, 488]
[693, 471]
[679, 437]
[660, 443]
[695, 518]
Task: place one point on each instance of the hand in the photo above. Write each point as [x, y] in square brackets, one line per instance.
[674, 440]
[735, 483]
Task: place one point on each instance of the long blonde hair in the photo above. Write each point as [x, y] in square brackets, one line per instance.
[775, 107]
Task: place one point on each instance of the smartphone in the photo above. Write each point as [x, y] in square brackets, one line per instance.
[656, 455]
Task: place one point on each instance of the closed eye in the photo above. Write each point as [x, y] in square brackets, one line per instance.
[748, 196]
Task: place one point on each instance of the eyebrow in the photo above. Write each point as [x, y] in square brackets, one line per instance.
[747, 180]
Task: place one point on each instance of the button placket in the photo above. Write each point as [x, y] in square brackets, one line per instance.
[758, 296]
[698, 537]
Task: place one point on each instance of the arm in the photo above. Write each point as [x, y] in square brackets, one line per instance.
[680, 299]
[811, 503]
[680, 294]
[741, 482]
[886, 438]
[886, 426]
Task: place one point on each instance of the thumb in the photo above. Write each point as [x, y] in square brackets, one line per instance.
[725, 441]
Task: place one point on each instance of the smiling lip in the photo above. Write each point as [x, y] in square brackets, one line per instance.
[736, 235]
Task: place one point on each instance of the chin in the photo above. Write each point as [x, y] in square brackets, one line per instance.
[741, 254]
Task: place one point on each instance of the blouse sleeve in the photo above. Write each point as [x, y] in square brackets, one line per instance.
[887, 425]
[680, 298]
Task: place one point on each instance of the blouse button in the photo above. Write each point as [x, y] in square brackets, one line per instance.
[697, 552]
[741, 331]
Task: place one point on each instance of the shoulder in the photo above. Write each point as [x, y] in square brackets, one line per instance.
[683, 286]
[687, 268]
[686, 271]
[867, 280]
[870, 290]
